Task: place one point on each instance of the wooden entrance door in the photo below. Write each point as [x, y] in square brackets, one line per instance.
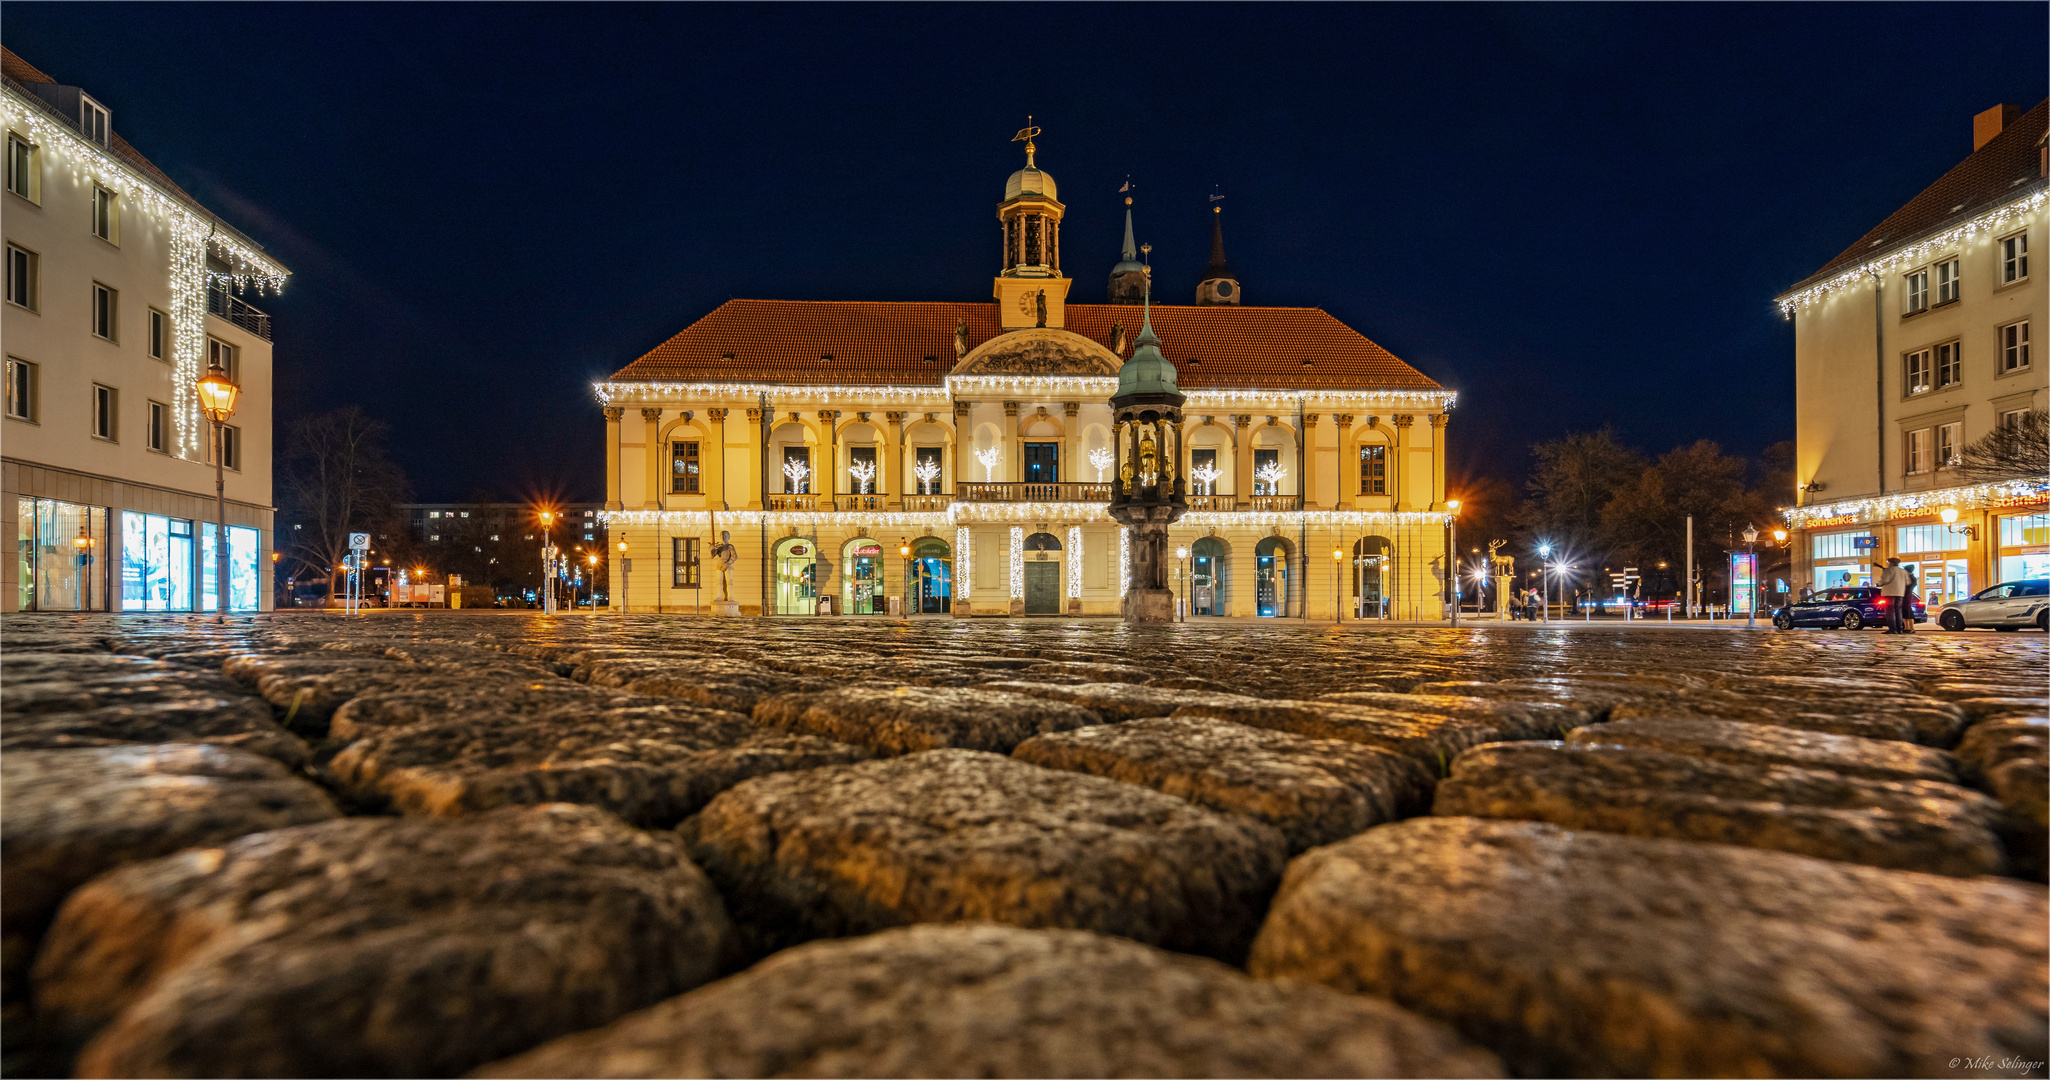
[1042, 588]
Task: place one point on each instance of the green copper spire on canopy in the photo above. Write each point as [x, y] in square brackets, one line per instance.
[1147, 372]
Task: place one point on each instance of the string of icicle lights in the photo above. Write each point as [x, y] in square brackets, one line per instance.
[1036, 389]
[1879, 508]
[2000, 219]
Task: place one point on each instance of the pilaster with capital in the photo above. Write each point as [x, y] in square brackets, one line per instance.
[1309, 479]
[1348, 462]
[1438, 421]
[1014, 468]
[1398, 469]
[826, 474]
[715, 492]
[893, 457]
[655, 474]
[1071, 441]
[1242, 458]
[612, 415]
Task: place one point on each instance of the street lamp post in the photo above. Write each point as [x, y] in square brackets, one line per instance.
[1337, 558]
[1181, 555]
[624, 566]
[910, 589]
[1452, 523]
[1750, 535]
[547, 565]
[217, 394]
[1544, 586]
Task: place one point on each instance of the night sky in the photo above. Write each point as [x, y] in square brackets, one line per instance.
[1572, 215]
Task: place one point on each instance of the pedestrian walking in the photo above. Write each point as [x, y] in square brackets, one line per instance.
[1907, 604]
[1893, 583]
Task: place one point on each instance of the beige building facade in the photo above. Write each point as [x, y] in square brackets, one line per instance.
[1919, 339]
[121, 289]
[952, 458]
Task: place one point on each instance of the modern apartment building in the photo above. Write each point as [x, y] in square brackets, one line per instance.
[121, 289]
[1914, 342]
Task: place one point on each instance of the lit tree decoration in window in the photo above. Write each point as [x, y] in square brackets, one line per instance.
[1206, 475]
[1269, 474]
[794, 473]
[989, 459]
[1102, 458]
[928, 473]
[863, 472]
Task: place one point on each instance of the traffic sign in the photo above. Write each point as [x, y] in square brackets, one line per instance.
[359, 541]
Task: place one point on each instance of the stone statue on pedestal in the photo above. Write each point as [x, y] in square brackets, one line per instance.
[725, 554]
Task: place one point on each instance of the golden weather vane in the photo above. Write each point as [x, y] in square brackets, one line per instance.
[1026, 134]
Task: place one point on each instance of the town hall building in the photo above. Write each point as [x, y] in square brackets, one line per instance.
[867, 458]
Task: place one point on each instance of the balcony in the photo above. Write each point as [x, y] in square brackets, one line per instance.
[793, 502]
[1288, 503]
[1213, 502]
[220, 302]
[857, 502]
[925, 504]
[1013, 493]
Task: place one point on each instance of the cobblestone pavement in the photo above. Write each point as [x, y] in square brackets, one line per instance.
[424, 845]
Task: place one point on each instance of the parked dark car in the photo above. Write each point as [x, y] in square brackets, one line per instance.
[1852, 608]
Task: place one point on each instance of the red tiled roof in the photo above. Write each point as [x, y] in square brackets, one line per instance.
[824, 342]
[1987, 178]
[21, 71]
[14, 67]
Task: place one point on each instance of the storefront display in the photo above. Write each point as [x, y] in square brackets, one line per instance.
[161, 561]
[2024, 547]
[60, 553]
[1843, 559]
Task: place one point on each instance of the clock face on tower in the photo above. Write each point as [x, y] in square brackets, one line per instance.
[1223, 288]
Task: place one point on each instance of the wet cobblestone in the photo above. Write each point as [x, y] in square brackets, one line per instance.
[1585, 840]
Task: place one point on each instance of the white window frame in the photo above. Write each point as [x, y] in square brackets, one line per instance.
[2011, 420]
[1920, 362]
[159, 344]
[1917, 456]
[1949, 368]
[24, 167]
[2014, 347]
[1946, 282]
[1915, 294]
[157, 435]
[24, 381]
[106, 312]
[106, 406]
[2014, 257]
[227, 355]
[21, 277]
[1949, 440]
[94, 122]
[231, 447]
[107, 215]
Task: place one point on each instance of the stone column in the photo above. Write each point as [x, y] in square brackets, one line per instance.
[1348, 462]
[1398, 462]
[893, 456]
[963, 456]
[1438, 459]
[1071, 448]
[612, 415]
[656, 475]
[715, 466]
[1242, 459]
[754, 459]
[1014, 451]
[1309, 477]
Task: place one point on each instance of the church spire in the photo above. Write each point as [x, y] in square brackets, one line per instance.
[1128, 279]
[1219, 284]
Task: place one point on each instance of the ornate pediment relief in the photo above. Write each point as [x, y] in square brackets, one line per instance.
[1039, 352]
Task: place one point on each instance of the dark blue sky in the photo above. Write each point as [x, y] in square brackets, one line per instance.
[1574, 215]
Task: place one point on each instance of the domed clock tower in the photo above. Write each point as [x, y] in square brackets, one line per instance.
[1030, 290]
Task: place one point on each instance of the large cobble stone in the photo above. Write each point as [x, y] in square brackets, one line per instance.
[376, 946]
[66, 701]
[1583, 953]
[1429, 739]
[952, 835]
[907, 719]
[996, 1001]
[1762, 744]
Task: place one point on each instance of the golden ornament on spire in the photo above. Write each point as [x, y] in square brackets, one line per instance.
[1026, 134]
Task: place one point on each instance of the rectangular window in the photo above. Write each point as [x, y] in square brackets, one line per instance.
[1205, 461]
[106, 217]
[1840, 545]
[2014, 258]
[242, 568]
[1373, 470]
[1917, 374]
[106, 311]
[22, 377]
[1914, 539]
[2011, 420]
[2014, 347]
[1949, 370]
[797, 470]
[231, 446]
[2025, 530]
[1917, 296]
[104, 400]
[1949, 440]
[92, 120]
[861, 460]
[1946, 281]
[928, 465]
[684, 574]
[1918, 451]
[1042, 462]
[159, 335]
[21, 167]
[21, 277]
[158, 413]
[683, 468]
[227, 357]
[1265, 463]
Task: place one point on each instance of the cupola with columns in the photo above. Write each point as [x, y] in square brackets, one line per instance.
[1030, 290]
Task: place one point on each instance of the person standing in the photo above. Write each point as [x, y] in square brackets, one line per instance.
[1892, 584]
[1907, 604]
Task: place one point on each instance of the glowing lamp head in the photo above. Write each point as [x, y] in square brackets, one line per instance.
[83, 542]
[217, 394]
[1780, 535]
[1452, 505]
[1181, 553]
[546, 517]
[1949, 515]
[1545, 550]
[622, 547]
[904, 550]
[1337, 555]
[1750, 534]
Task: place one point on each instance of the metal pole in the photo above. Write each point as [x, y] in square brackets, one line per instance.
[1452, 524]
[220, 531]
[1690, 566]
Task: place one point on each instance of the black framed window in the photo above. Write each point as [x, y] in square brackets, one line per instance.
[1042, 462]
[684, 468]
[684, 567]
[797, 470]
[1373, 470]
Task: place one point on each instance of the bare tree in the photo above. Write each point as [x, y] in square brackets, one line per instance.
[2008, 452]
[338, 480]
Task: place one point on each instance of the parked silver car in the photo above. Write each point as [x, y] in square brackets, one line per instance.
[2009, 605]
